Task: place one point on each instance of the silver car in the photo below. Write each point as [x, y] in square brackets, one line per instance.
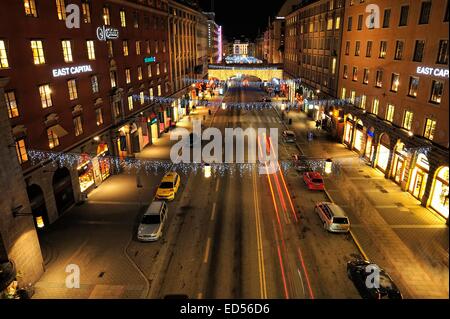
[152, 223]
[289, 137]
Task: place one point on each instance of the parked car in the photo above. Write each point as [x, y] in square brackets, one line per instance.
[169, 186]
[384, 287]
[313, 180]
[333, 217]
[289, 137]
[152, 223]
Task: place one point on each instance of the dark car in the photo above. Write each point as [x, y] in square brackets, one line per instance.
[359, 270]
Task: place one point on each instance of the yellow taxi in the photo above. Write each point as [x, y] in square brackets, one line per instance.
[168, 187]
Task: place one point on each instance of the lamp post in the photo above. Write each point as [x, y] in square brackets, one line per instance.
[328, 166]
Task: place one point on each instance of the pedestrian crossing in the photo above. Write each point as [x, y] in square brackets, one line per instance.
[247, 119]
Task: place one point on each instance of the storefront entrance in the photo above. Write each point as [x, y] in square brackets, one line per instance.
[85, 172]
[369, 149]
[348, 130]
[359, 137]
[63, 190]
[383, 153]
[37, 203]
[419, 177]
[399, 163]
[439, 198]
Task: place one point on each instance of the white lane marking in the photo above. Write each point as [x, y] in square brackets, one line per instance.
[213, 213]
[208, 243]
[301, 279]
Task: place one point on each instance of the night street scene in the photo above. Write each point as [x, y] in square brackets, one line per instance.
[236, 150]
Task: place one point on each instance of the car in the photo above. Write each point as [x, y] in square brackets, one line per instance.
[289, 136]
[313, 180]
[152, 223]
[333, 217]
[384, 287]
[168, 187]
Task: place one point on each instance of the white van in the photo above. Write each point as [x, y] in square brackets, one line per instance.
[333, 217]
[152, 223]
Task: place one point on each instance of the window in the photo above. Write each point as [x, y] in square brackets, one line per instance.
[446, 13]
[379, 79]
[407, 120]
[99, 116]
[90, 49]
[166, 69]
[21, 150]
[390, 112]
[383, 49]
[3, 56]
[330, 24]
[30, 8]
[443, 52]
[46, 96]
[72, 86]
[61, 9]
[151, 92]
[94, 84]
[355, 74]
[127, 76]
[430, 128]
[164, 47]
[159, 90]
[38, 52]
[67, 51]
[77, 123]
[147, 44]
[386, 18]
[369, 49]
[53, 140]
[337, 23]
[425, 12]
[158, 72]
[345, 73]
[363, 102]
[375, 106]
[142, 97]
[418, 51]
[139, 70]
[130, 103]
[138, 47]
[333, 66]
[156, 47]
[395, 82]
[11, 104]
[86, 7]
[123, 19]
[125, 47]
[349, 24]
[110, 48]
[436, 91]
[366, 76]
[135, 20]
[106, 17]
[347, 47]
[399, 50]
[413, 86]
[403, 16]
[149, 71]
[343, 93]
[360, 21]
[352, 96]
[357, 48]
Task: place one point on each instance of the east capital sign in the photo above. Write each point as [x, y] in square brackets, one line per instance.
[443, 73]
[71, 71]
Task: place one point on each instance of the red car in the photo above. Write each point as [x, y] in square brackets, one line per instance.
[313, 180]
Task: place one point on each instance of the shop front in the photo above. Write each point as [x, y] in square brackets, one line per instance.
[85, 171]
[439, 197]
[369, 148]
[101, 163]
[161, 120]
[419, 177]
[153, 125]
[399, 165]
[359, 137]
[168, 117]
[348, 130]
[383, 153]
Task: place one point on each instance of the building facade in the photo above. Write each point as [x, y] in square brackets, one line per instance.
[84, 91]
[394, 70]
[214, 39]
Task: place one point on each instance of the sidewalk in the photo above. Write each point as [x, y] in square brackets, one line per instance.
[394, 230]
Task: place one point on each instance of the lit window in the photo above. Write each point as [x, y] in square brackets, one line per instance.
[53, 140]
[407, 120]
[165, 67]
[130, 103]
[344, 93]
[123, 19]
[11, 103]
[366, 76]
[436, 91]
[106, 17]
[352, 96]
[3, 56]
[443, 52]
[156, 47]
[46, 96]
[90, 49]
[110, 48]
[72, 86]
[375, 106]
[345, 72]
[159, 90]
[78, 124]
[379, 79]
[86, 7]
[430, 128]
[158, 72]
[149, 71]
[30, 8]
[67, 50]
[330, 24]
[127, 76]
[390, 112]
[139, 69]
[383, 49]
[363, 102]
[338, 23]
[113, 77]
[38, 52]
[147, 44]
[395, 82]
[94, 84]
[99, 116]
[164, 47]
[413, 86]
[355, 74]
[138, 47]
[150, 91]
[125, 47]
[21, 150]
[61, 9]
[142, 98]
[357, 48]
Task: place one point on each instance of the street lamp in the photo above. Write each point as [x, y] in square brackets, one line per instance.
[207, 170]
[40, 222]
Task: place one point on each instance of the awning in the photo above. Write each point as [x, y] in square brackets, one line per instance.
[58, 130]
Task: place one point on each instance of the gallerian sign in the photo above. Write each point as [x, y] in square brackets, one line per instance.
[105, 33]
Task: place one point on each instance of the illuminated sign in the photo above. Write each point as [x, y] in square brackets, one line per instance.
[433, 71]
[71, 71]
[104, 33]
[150, 59]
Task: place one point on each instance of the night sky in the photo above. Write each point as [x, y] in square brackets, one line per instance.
[243, 17]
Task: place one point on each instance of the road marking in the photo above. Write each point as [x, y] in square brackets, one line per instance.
[301, 279]
[213, 213]
[217, 185]
[208, 243]
[260, 249]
